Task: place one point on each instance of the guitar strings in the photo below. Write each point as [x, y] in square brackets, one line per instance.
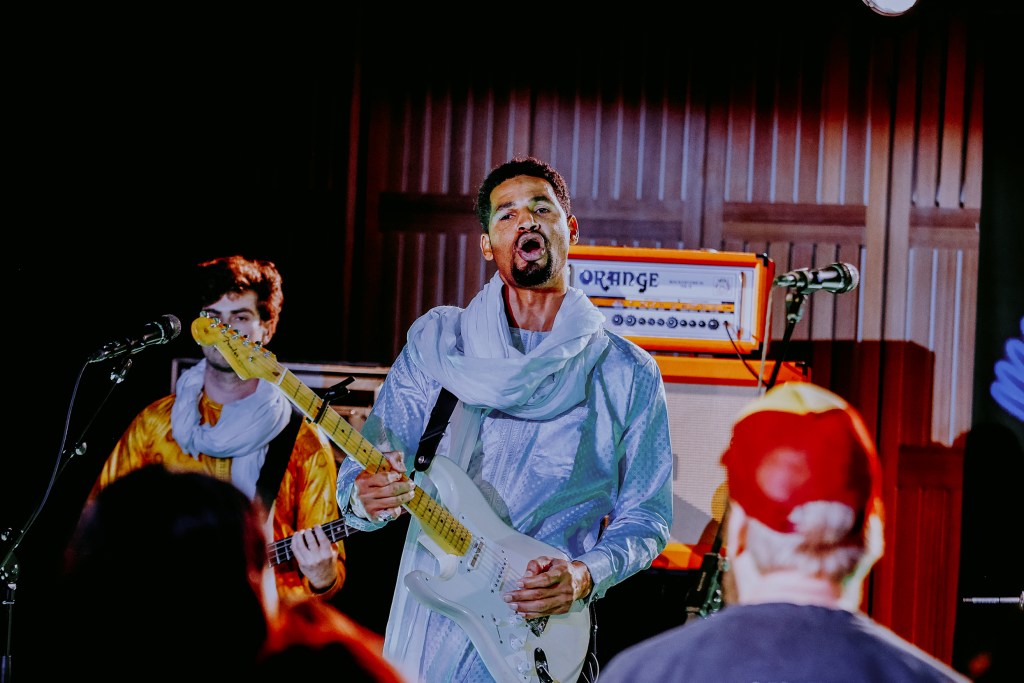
[281, 550]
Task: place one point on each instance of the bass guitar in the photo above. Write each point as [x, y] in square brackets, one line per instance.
[480, 558]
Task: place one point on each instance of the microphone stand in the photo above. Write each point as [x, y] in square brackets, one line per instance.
[1019, 601]
[794, 312]
[9, 569]
[705, 596]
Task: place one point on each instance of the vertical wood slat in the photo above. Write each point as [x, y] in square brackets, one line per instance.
[738, 150]
[348, 310]
[928, 128]
[460, 171]
[929, 494]
[965, 344]
[971, 191]
[943, 316]
[834, 119]
[858, 126]
[901, 191]
[690, 158]
[873, 281]
[950, 177]
[762, 157]
[812, 87]
[787, 121]
[481, 153]
[437, 168]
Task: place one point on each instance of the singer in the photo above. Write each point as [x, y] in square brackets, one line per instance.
[221, 425]
[560, 423]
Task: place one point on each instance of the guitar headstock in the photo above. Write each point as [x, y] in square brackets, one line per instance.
[248, 359]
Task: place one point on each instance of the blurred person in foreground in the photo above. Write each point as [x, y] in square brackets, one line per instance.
[186, 593]
[804, 528]
[222, 425]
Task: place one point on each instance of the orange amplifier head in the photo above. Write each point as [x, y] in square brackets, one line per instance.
[678, 299]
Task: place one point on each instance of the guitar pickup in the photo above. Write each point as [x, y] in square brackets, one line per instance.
[538, 625]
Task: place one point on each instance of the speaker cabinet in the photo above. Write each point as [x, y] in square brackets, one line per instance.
[704, 395]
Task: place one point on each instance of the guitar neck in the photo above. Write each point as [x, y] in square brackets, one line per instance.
[281, 551]
[251, 359]
[438, 523]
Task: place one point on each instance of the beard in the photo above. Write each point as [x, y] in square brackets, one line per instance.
[216, 361]
[533, 274]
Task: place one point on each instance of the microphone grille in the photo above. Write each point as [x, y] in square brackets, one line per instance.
[172, 326]
[852, 275]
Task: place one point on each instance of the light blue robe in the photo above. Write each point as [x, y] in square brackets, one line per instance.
[554, 480]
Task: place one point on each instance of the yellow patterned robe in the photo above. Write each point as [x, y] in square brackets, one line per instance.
[306, 497]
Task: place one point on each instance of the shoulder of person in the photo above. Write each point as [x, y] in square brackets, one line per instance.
[161, 406]
[632, 352]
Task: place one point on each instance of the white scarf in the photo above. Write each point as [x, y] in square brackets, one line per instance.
[243, 432]
[491, 373]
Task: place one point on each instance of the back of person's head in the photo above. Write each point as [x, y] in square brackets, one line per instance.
[163, 573]
[805, 471]
[312, 640]
[237, 274]
[519, 166]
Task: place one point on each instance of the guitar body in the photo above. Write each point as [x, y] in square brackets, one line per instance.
[469, 589]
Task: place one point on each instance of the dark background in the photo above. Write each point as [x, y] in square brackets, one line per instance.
[156, 168]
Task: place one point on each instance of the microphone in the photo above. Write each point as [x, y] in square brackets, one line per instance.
[159, 332]
[836, 278]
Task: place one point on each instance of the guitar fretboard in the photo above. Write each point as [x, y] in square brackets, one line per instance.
[281, 551]
[437, 521]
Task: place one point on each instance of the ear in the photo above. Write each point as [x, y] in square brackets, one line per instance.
[574, 230]
[485, 247]
[736, 529]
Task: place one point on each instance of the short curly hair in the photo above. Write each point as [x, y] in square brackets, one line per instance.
[517, 166]
[227, 274]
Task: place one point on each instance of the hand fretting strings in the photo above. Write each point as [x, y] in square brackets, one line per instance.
[281, 551]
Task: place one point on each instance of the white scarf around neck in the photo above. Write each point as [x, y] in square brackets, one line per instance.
[489, 372]
[243, 432]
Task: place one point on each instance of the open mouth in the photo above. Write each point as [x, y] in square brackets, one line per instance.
[530, 247]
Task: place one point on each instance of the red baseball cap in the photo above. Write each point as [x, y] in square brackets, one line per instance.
[800, 443]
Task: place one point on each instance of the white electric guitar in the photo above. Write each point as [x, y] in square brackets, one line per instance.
[479, 556]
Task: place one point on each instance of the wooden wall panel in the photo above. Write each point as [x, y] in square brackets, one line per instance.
[848, 145]
[835, 101]
[739, 136]
[954, 106]
[929, 496]
[787, 122]
[970, 193]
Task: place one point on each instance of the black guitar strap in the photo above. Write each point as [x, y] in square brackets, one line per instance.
[442, 410]
[278, 454]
